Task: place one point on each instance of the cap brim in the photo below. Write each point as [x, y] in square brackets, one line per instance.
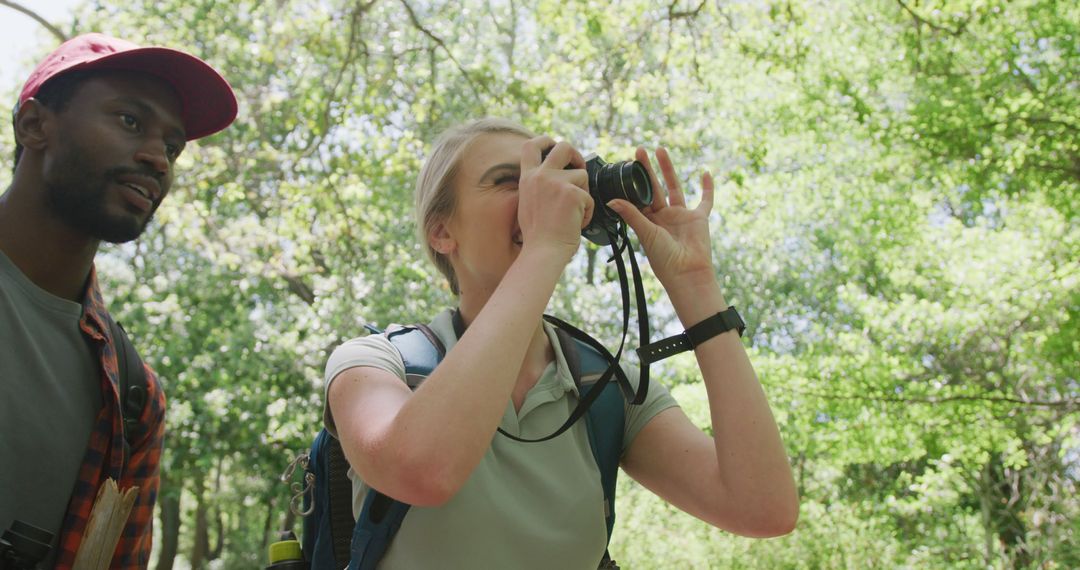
[207, 102]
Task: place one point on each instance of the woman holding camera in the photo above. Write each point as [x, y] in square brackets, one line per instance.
[501, 220]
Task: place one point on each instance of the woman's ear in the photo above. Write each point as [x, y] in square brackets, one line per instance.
[440, 239]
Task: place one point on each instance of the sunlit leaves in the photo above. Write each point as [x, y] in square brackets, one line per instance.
[895, 218]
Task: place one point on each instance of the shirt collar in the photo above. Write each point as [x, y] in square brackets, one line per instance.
[443, 326]
[93, 304]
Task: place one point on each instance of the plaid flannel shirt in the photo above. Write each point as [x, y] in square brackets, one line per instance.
[105, 452]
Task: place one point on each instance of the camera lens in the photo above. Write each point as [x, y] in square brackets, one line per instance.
[626, 180]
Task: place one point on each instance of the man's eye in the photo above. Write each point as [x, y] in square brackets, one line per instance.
[504, 180]
[129, 121]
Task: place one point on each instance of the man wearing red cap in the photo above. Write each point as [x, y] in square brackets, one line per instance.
[98, 127]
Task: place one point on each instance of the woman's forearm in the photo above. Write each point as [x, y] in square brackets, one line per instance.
[751, 460]
[448, 423]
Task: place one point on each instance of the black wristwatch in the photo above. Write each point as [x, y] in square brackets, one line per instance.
[721, 322]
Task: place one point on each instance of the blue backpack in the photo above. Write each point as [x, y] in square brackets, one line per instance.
[332, 540]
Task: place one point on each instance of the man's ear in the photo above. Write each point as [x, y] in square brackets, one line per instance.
[32, 124]
[440, 239]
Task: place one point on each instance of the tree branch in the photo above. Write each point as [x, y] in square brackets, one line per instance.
[439, 42]
[346, 64]
[674, 14]
[1068, 404]
[39, 19]
[510, 32]
[936, 27]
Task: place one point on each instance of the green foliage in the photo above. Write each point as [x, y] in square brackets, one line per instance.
[896, 218]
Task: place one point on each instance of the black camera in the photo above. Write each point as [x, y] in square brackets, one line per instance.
[627, 180]
[24, 546]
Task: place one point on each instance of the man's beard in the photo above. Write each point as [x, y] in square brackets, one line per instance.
[78, 198]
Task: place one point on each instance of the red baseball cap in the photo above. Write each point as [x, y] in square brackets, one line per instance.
[206, 99]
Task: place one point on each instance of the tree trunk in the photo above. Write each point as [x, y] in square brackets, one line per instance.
[169, 502]
[268, 524]
[1001, 502]
[986, 508]
[1011, 529]
[219, 523]
[219, 542]
[288, 521]
[590, 267]
[201, 548]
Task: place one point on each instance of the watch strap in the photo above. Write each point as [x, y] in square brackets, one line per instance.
[719, 323]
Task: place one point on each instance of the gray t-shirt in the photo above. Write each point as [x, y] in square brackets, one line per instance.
[49, 396]
[527, 505]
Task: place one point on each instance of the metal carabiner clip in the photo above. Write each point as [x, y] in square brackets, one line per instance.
[296, 503]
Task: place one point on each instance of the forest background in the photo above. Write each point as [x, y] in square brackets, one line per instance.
[896, 219]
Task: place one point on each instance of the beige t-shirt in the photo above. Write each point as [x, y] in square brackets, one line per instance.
[527, 505]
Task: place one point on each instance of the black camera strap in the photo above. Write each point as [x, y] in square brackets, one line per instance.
[620, 242]
[642, 307]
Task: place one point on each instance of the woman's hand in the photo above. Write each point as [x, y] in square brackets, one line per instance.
[675, 238]
[553, 196]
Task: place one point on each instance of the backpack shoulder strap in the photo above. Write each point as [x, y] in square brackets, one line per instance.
[380, 518]
[133, 383]
[605, 419]
[420, 349]
[327, 526]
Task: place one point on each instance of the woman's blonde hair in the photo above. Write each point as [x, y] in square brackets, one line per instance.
[435, 197]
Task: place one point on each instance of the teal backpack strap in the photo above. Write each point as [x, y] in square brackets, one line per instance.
[604, 420]
[380, 517]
